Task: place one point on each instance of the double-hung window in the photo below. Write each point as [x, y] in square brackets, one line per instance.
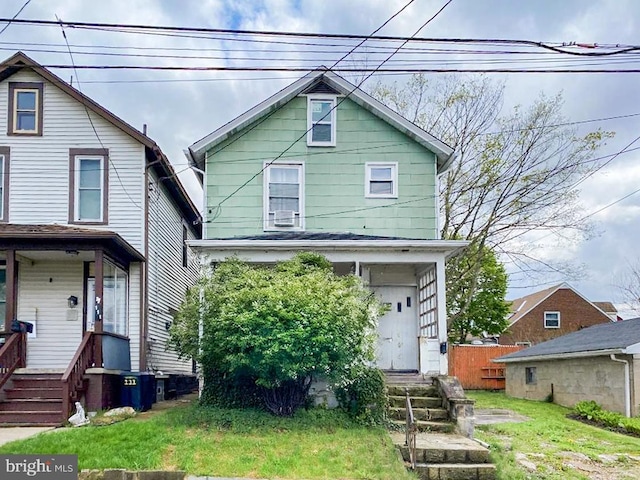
[89, 185]
[25, 108]
[381, 180]
[321, 121]
[4, 184]
[551, 319]
[283, 196]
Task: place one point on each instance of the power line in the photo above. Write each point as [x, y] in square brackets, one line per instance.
[560, 48]
[95, 131]
[337, 70]
[343, 99]
[12, 20]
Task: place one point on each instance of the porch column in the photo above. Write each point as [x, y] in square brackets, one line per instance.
[99, 303]
[11, 290]
[442, 313]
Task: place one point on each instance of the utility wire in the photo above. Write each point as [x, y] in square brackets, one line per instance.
[561, 48]
[343, 99]
[93, 127]
[13, 19]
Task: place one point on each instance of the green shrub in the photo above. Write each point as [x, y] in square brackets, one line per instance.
[267, 332]
[592, 411]
[364, 396]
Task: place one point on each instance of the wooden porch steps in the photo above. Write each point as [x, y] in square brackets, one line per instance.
[32, 399]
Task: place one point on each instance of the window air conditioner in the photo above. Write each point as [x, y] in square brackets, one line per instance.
[284, 218]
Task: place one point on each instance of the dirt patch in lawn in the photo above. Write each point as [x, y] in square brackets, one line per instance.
[604, 467]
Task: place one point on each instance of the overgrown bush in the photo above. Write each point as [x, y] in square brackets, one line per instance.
[267, 332]
[590, 410]
[364, 396]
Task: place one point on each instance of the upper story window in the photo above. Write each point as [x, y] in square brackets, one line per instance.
[284, 196]
[25, 108]
[381, 180]
[4, 184]
[88, 194]
[551, 319]
[321, 121]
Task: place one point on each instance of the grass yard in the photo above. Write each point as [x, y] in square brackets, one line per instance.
[314, 444]
[551, 446]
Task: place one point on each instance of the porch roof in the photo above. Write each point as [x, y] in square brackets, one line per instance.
[333, 245]
[62, 237]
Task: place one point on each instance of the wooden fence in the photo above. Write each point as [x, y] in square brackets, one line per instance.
[473, 366]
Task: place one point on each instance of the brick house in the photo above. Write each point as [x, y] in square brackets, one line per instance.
[551, 313]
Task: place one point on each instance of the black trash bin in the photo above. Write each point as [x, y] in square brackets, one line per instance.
[137, 390]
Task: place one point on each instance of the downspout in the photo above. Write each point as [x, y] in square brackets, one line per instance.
[627, 380]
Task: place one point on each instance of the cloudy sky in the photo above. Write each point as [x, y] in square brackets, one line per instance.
[181, 107]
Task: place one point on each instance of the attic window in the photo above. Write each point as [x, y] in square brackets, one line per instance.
[321, 121]
[551, 319]
[25, 109]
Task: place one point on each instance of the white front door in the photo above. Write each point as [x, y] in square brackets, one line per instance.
[398, 329]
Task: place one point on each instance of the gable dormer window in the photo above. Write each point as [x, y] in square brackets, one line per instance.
[25, 109]
[321, 121]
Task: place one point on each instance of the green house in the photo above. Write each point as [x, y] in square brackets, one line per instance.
[322, 166]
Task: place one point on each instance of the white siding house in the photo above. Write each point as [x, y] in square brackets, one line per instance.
[93, 230]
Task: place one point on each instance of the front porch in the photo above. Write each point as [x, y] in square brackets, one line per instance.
[408, 275]
[79, 291]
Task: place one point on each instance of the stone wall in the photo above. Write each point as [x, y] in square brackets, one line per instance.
[573, 380]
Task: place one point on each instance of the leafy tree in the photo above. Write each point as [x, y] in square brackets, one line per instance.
[516, 175]
[487, 311]
[279, 327]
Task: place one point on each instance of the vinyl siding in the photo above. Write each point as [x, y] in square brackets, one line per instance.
[134, 315]
[39, 178]
[43, 289]
[168, 279]
[334, 176]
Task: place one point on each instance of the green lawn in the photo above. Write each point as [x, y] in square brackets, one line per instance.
[558, 448]
[314, 444]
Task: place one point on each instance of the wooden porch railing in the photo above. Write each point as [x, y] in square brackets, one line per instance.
[411, 430]
[73, 377]
[13, 354]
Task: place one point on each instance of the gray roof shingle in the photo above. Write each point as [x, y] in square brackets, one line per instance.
[605, 336]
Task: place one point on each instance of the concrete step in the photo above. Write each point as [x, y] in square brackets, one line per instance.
[31, 404]
[419, 413]
[429, 426]
[416, 402]
[452, 452]
[415, 390]
[456, 471]
[25, 393]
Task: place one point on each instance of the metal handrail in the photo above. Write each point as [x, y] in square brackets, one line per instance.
[13, 354]
[73, 377]
[411, 430]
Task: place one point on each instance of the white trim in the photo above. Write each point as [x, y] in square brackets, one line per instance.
[560, 356]
[76, 185]
[3, 172]
[444, 246]
[444, 153]
[330, 118]
[551, 312]
[299, 166]
[394, 179]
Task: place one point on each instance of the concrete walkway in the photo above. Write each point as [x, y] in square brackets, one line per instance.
[10, 434]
